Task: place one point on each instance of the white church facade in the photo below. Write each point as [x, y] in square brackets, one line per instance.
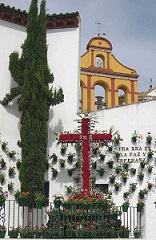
[63, 39]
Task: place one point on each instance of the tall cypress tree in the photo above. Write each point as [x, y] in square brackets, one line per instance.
[32, 75]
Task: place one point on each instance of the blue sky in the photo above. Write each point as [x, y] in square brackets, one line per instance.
[130, 25]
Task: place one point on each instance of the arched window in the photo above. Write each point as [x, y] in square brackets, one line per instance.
[121, 97]
[99, 97]
[99, 62]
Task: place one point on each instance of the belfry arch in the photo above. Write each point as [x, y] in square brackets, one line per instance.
[100, 67]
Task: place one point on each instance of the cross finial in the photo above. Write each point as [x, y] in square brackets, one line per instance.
[98, 23]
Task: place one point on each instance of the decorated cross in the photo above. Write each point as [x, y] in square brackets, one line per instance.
[86, 138]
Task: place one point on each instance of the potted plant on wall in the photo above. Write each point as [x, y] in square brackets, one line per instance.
[54, 158]
[70, 157]
[142, 193]
[39, 199]
[133, 171]
[118, 169]
[150, 185]
[95, 149]
[14, 232]
[149, 138]
[126, 194]
[2, 163]
[11, 154]
[137, 232]
[136, 136]
[125, 165]
[62, 162]
[3, 196]
[141, 175]
[110, 163]
[117, 139]
[18, 164]
[70, 171]
[149, 168]
[112, 178]
[140, 206]
[117, 186]
[11, 171]
[133, 186]
[150, 154]
[2, 177]
[124, 176]
[63, 149]
[10, 186]
[2, 231]
[143, 163]
[101, 171]
[4, 145]
[125, 205]
[102, 157]
[54, 172]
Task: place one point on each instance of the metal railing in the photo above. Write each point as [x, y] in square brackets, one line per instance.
[71, 221]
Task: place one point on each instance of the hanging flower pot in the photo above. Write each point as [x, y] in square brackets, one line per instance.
[118, 169]
[117, 186]
[124, 176]
[125, 165]
[2, 163]
[54, 172]
[150, 167]
[142, 163]
[102, 157]
[18, 164]
[140, 206]
[117, 155]
[110, 163]
[3, 145]
[95, 149]
[70, 171]
[11, 154]
[101, 171]
[10, 186]
[149, 138]
[134, 138]
[2, 177]
[150, 154]
[62, 163]
[39, 204]
[125, 206]
[112, 178]
[54, 158]
[133, 171]
[63, 149]
[94, 164]
[133, 186]
[70, 157]
[142, 193]
[141, 176]
[11, 171]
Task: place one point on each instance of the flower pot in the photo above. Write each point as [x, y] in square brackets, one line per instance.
[124, 234]
[2, 202]
[150, 155]
[13, 234]
[139, 208]
[2, 234]
[134, 139]
[39, 204]
[117, 188]
[57, 203]
[141, 195]
[112, 180]
[125, 208]
[102, 157]
[47, 234]
[141, 178]
[124, 179]
[70, 158]
[21, 201]
[137, 234]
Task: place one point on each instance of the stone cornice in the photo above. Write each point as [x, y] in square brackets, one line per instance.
[110, 74]
[55, 21]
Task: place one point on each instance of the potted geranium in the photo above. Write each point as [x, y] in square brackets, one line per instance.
[133, 171]
[136, 136]
[11, 154]
[150, 185]
[3, 145]
[54, 158]
[117, 139]
[70, 157]
[150, 153]
[124, 176]
[22, 197]
[140, 206]
[18, 164]
[124, 232]
[39, 199]
[142, 193]
[13, 232]
[58, 200]
[10, 185]
[102, 157]
[126, 194]
[141, 175]
[2, 177]
[112, 178]
[137, 232]
[54, 172]
[125, 205]
[125, 165]
[63, 149]
[11, 171]
[110, 163]
[118, 169]
[2, 231]
[142, 163]
[117, 186]
[70, 171]
[3, 196]
[101, 171]
[133, 186]
[149, 168]
[62, 162]
[149, 138]
[2, 163]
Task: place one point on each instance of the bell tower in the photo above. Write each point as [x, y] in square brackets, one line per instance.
[100, 67]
